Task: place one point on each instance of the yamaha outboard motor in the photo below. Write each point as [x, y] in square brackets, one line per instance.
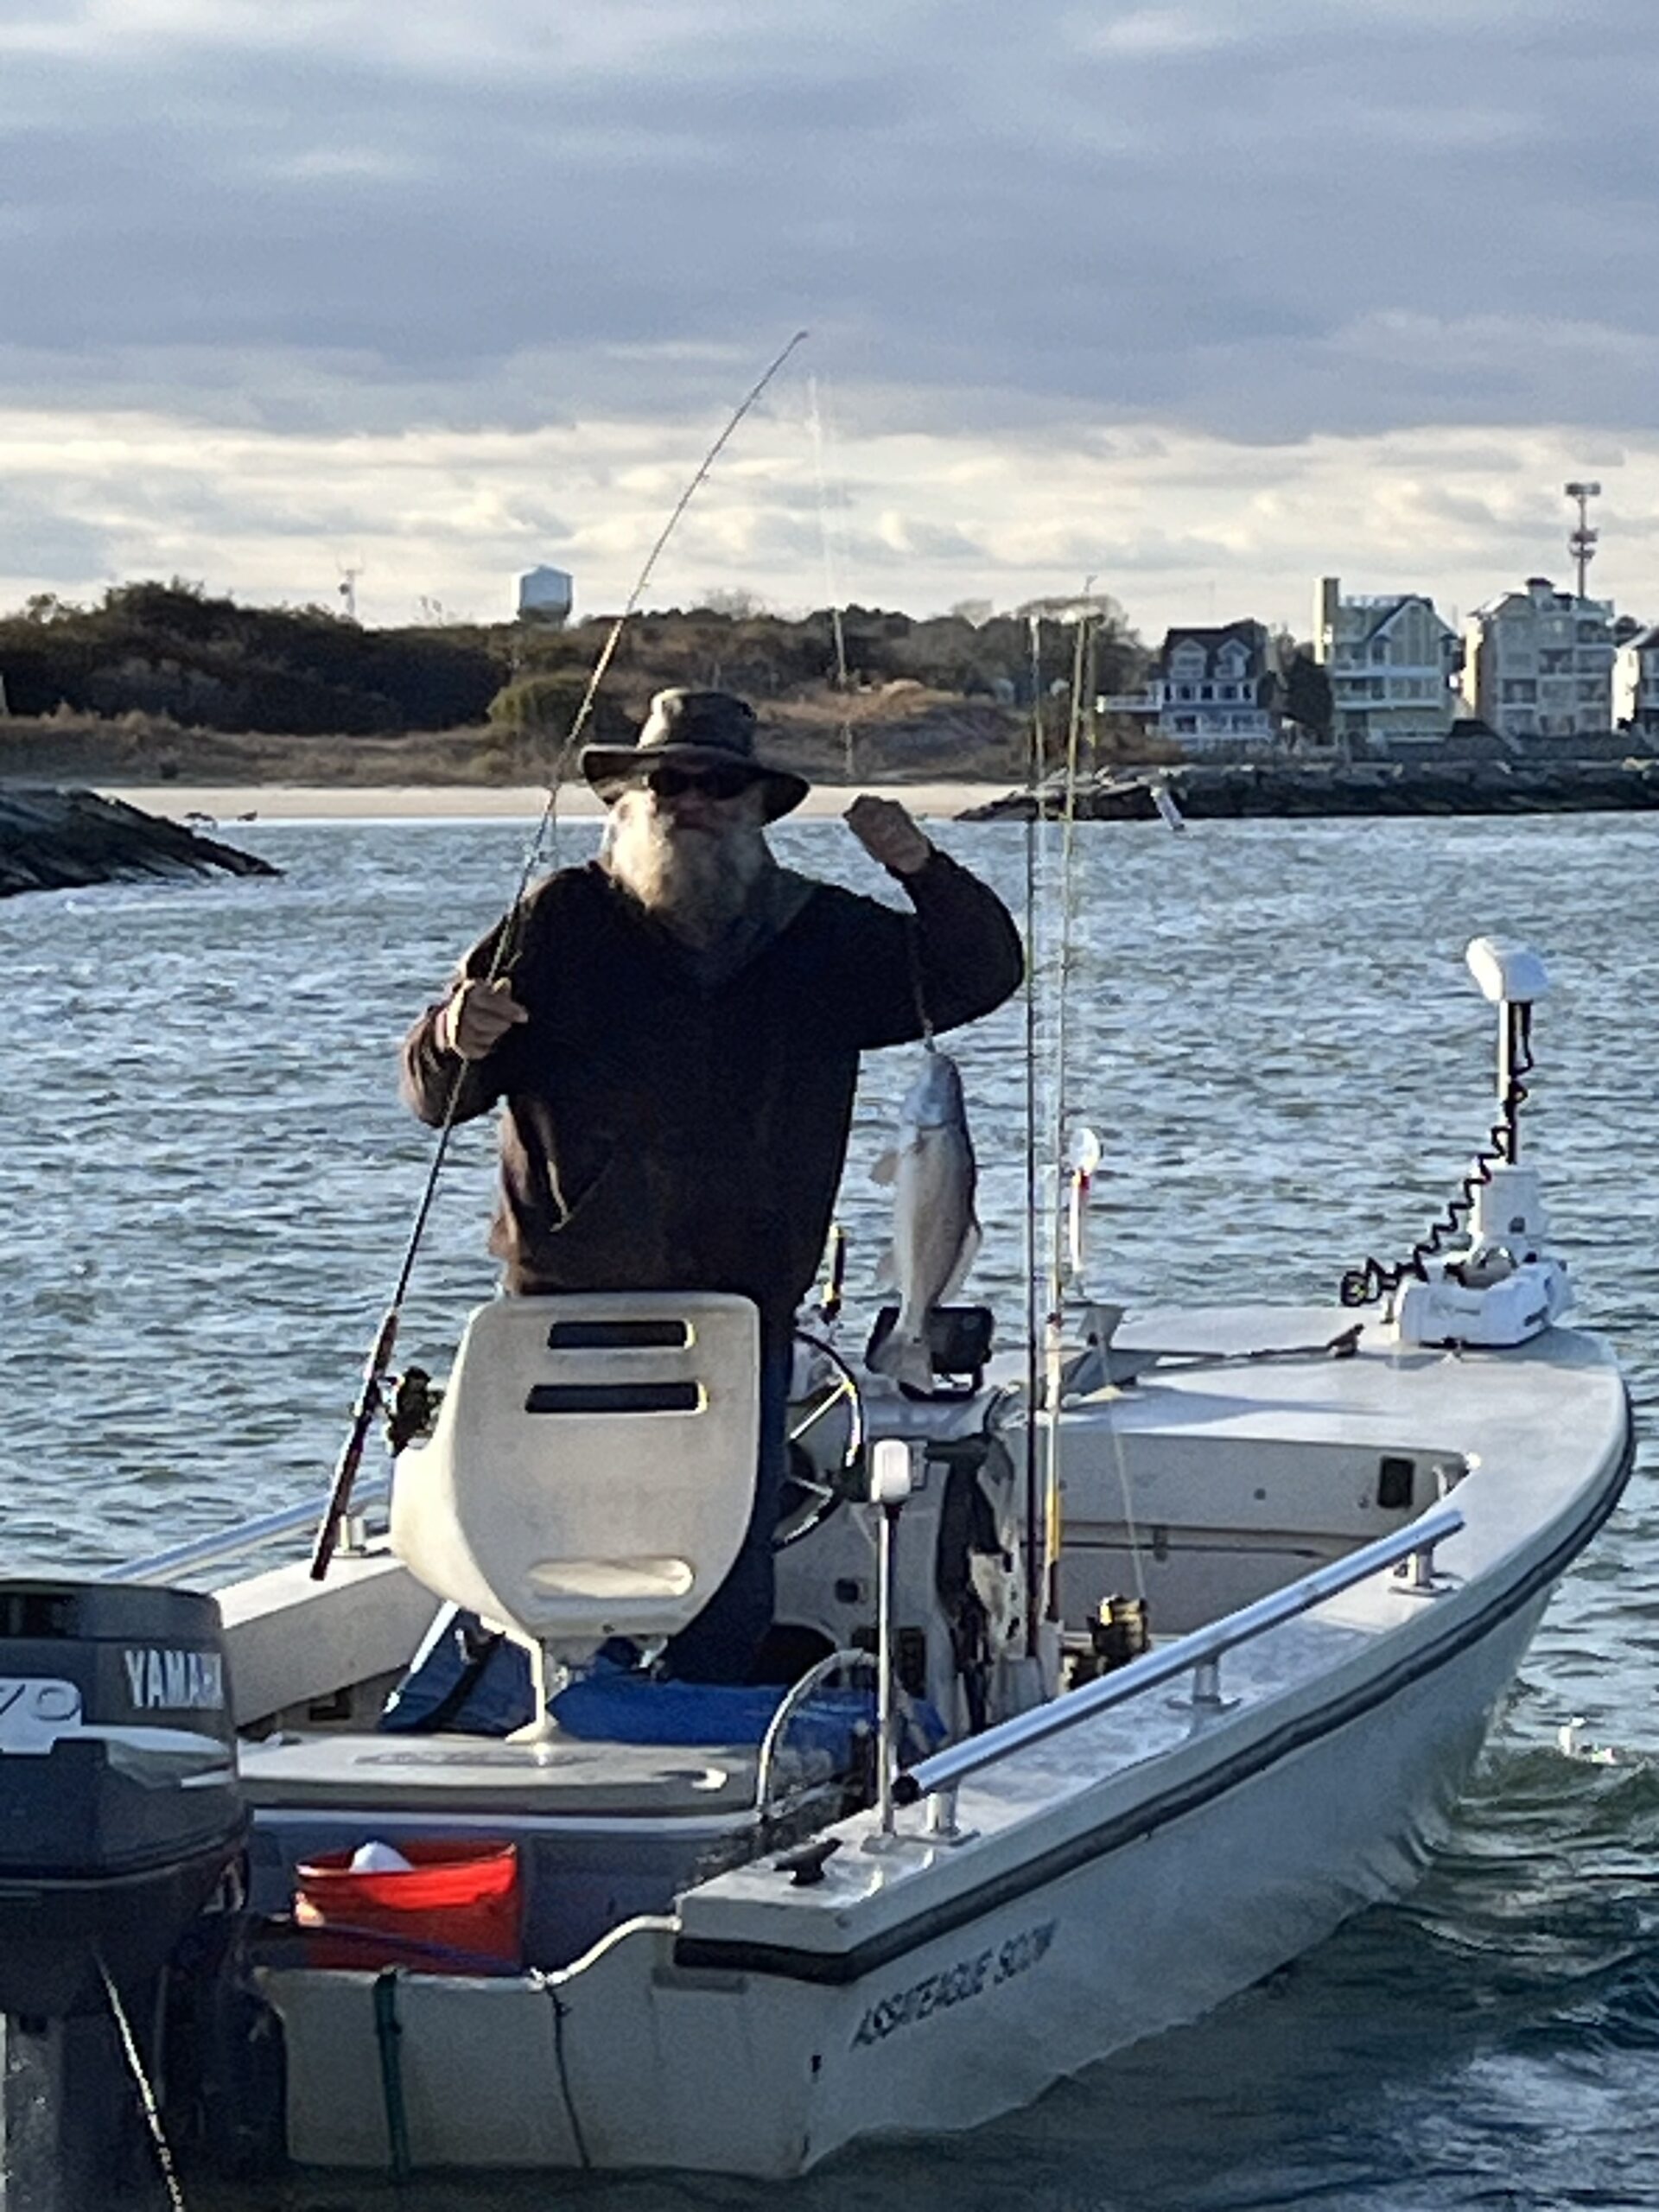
[119, 1814]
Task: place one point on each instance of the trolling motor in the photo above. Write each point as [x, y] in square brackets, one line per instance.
[1481, 1277]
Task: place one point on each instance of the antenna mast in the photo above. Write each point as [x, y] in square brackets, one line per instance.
[1581, 544]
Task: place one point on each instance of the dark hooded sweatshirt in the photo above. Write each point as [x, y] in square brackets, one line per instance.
[678, 1121]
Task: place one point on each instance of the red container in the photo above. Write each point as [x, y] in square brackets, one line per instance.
[457, 1909]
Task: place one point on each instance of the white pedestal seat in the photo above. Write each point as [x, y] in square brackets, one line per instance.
[591, 1471]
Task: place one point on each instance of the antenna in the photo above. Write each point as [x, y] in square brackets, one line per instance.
[349, 573]
[1581, 544]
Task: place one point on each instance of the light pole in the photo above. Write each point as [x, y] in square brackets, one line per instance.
[1582, 543]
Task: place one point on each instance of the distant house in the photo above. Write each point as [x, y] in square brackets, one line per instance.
[1214, 687]
[1635, 685]
[1539, 662]
[1391, 662]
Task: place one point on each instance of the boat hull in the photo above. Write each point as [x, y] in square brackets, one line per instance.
[1116, 1925]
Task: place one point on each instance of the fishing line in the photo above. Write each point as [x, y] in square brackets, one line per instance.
[146, 2095]
[831, 542]
[379, 1360]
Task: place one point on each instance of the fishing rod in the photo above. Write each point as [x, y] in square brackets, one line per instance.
[1055, 1319]
[1045, 1262]
[377, 1367]
[1033, 1494]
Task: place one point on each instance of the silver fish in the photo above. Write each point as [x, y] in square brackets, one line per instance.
[935, 1235]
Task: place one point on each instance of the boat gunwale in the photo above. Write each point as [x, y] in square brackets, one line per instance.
[828, 1964]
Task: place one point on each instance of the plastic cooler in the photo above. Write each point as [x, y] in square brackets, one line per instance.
[457, 1908]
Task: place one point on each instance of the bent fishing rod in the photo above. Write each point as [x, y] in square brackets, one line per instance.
[371, 1389]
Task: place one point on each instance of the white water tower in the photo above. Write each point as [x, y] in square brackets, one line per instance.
[545, 595]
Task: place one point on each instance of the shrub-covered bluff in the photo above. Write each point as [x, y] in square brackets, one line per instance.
[159, 681]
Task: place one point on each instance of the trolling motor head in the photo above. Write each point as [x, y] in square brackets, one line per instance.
[1498, 1285]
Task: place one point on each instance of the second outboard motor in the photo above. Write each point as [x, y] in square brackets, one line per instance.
[119, 1814]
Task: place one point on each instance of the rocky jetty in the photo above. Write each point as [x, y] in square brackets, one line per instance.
[53, 840]
[1279, 790]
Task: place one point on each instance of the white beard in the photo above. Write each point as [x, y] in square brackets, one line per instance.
[695, 880]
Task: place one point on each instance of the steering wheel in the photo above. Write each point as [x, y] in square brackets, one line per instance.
[812, 1492]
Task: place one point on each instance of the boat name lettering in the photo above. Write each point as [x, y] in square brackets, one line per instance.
[954, 1984]
[182, 1681]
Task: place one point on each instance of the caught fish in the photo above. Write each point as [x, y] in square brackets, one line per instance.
[935, 1235]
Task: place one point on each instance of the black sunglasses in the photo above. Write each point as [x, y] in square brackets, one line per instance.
[713, 783]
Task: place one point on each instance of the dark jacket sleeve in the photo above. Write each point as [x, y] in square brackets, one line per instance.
[429, 1073]
[958, 956]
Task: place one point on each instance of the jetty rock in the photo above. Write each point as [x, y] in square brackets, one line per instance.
[1285, 790]
[56, 840]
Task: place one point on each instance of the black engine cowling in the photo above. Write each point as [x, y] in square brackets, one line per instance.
[119, 1806]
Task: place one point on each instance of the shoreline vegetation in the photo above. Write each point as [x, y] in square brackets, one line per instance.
[160, 684]
[186, 705]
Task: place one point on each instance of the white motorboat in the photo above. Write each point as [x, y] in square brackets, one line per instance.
[1102, 1699]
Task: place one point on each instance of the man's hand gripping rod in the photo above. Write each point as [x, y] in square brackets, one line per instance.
[372, 1390]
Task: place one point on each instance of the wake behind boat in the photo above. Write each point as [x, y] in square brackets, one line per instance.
[1103, 1700]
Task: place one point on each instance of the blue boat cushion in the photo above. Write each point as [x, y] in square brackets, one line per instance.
[465, 1680]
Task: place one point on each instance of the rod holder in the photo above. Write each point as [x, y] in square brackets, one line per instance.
[1207, 1684]
[890, 1486]
[1416, 1575]
[940, 1824]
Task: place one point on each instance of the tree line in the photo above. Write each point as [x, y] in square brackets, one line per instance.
[169, 651]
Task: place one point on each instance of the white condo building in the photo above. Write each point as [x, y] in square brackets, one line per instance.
[1391, 662]
[1539, 662]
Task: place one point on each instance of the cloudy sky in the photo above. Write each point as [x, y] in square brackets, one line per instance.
[1197, 300]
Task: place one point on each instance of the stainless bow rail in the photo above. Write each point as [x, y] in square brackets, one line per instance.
[1199, 1655]
[247, 1536]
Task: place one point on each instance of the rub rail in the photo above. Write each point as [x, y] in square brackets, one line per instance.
[1193, 1654]
[245, 1536]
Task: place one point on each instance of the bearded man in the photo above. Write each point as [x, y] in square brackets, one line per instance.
[676, 1032]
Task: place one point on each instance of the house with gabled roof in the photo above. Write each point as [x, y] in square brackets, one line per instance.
[1214, 687]
[1392, 663]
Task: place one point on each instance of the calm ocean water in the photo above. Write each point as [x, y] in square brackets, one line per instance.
[208, 1182]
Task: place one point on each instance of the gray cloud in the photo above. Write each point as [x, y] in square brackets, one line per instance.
[1261, 221]
[1091, 283]
[51, 548]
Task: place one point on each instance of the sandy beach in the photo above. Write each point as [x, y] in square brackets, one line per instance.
[227, 803]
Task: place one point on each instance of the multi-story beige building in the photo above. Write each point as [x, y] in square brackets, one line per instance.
[1539, 662]
[1391, 662]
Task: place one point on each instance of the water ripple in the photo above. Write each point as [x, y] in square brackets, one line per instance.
[207, 1182]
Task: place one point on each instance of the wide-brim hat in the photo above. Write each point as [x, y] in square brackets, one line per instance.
[710, 730]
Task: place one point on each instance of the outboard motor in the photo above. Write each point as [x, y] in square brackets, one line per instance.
[119, 1814]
